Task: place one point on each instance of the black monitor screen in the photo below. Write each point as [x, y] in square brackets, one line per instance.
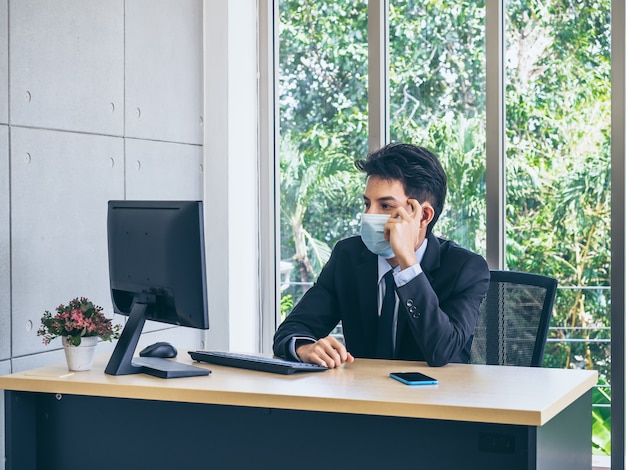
[156, 270]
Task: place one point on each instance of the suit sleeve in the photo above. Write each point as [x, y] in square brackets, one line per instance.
[442, 324]
[314, 316]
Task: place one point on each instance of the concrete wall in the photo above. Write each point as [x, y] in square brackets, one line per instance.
[99, 100]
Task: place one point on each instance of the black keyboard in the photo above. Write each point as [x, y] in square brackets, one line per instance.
[249, 361]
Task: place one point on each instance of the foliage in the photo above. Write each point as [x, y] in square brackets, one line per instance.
[309, 186]
[601, 435]
[558, 191]
[323, 76]
[323, 127]
[437, 65]
[80, 317]
[286, 304]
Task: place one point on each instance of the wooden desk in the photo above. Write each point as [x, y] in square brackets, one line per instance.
[353, 417]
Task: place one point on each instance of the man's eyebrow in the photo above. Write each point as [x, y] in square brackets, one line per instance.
[384, 198]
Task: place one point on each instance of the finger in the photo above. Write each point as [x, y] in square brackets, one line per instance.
[426, 204]
[320, 361]
[327, 361]
[334, 350]
[341, 351]
[322, 353]
[403, 214]
[316, 355]
[416, 206]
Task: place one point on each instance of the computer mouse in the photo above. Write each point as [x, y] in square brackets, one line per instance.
[160, 349]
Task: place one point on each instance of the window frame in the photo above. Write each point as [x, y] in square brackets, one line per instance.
[618, 235]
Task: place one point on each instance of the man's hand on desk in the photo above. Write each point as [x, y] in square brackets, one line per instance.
[329, 352]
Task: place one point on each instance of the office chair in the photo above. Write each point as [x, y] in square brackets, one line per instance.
[514, 318]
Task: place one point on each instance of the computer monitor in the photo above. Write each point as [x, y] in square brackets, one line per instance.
[156, 272]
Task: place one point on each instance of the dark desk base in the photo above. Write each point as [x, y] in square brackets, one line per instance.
[44, 431]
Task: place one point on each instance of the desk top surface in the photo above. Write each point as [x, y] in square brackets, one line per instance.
[493, 394]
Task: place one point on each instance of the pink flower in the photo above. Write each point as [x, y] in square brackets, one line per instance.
[79, 318]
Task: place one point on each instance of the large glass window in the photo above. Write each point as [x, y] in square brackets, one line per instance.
[323, 130]
[558, 175]
[437, 100]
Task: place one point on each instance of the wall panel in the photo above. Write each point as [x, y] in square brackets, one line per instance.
[4, 62]
[162, 170]
[164, 70]
[5, 274]
[60, 185]
[52, 357]
[66, 65]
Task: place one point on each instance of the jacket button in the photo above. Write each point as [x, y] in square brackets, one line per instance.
[412, 310]
[409, 303]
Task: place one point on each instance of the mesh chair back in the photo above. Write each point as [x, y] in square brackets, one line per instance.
[514, 318]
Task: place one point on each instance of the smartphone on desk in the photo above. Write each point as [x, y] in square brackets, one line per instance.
[413, 378]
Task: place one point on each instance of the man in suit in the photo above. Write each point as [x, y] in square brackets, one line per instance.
[438, 285]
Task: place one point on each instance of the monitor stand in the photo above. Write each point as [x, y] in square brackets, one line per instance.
[167, 368]
[122, 361]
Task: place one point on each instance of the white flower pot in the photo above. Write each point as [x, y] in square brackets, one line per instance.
[80, 357]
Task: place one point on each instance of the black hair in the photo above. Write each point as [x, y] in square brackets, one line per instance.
[417, 168]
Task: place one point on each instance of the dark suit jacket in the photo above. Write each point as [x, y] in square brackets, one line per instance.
[436, 316]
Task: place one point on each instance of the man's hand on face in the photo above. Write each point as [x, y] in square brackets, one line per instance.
[406, 230]
[328, 351]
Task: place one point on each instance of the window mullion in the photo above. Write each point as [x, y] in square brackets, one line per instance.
[269, 174]
[378, 72]
[495, 124]
[618, 235]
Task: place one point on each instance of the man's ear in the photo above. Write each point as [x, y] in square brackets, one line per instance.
[428, 214]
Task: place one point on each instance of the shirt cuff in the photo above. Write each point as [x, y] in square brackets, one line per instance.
[407, 275]
[292, 345]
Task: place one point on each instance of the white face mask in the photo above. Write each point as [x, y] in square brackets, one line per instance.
[373, 234]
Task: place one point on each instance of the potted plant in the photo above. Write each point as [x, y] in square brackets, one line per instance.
[79, 323]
